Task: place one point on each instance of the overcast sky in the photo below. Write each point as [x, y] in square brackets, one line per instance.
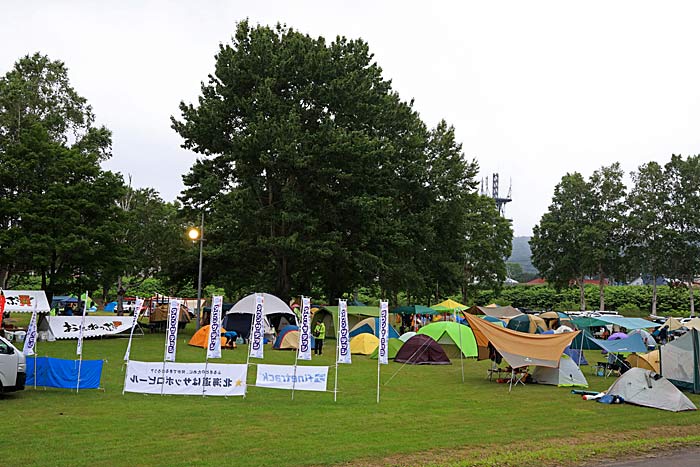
[534, 89]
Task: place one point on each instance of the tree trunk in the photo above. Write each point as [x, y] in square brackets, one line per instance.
[582, 293]
[283, 286]
[692, 297]
[120, 296]
[653, 296]
[4, 275]
[601, 288]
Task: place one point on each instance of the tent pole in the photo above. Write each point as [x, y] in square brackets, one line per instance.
[459, 329]
[82, 330]
[512, 375]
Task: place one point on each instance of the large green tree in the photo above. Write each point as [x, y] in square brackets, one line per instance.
[683, 178]
[58, 210]
[603, 226]
[647, 225]
[315, 175]
[558, 240]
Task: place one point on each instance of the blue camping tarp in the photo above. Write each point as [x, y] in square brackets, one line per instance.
[633, 343]
[368, 329]
[628, 323]
[58, 373]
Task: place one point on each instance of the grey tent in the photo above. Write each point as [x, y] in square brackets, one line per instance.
[680, 361]
[646, 388]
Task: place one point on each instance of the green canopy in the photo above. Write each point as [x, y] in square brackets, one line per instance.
[394, 345]
[415, 310]
[448, 333]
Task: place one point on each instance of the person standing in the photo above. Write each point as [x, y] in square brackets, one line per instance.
[319, 335]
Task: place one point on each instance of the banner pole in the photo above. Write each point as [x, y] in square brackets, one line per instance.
[379, 370]
[247, 359]
[461, 360]
[337, 354]
[296, 354]
[82, 327]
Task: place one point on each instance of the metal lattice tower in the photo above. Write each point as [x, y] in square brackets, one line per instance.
[500, 202]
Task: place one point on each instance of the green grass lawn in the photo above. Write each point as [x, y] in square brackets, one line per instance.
[426, 416]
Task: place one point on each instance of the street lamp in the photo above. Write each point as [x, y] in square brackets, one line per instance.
[197, 234]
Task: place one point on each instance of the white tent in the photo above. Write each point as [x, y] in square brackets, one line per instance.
[646, 388]
[276, 312]
[680, 361]
[406, 336]
[568, 374]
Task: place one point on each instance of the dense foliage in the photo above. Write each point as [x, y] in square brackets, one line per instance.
[316, 176]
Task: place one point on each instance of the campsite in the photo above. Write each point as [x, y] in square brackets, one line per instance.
[481, 421]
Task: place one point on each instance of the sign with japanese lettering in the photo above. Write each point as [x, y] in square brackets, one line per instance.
[171, 329]
[24, 301]
[305, 378]
[383, 350]
[257, 328]
[343, 333]
[30, 339]
[196, 379]
[214, 340]
[134, 321]
[305, 330]
[68, 327]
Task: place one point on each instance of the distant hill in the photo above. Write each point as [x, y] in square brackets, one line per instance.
[522, 255]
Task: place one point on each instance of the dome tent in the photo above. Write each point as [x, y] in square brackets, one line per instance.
[422, 350]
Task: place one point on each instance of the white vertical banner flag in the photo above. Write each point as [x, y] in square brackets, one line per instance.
[171, 329]
[383, 333]
[343, 333]
[305, 330]
[214, 340]
[79, 349]
[30, 339]
[134, 322]
[257, 328]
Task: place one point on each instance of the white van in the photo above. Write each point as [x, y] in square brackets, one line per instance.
[13, 367]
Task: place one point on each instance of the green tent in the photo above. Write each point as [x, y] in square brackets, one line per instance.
[394, 346]
[453, 337]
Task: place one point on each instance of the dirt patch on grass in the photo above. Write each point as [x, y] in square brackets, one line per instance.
[587, 448]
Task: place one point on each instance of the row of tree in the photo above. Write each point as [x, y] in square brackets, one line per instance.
[315, 178]
[598, 228]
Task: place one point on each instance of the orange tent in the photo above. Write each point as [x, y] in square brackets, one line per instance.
[200, 337]
[517, 348]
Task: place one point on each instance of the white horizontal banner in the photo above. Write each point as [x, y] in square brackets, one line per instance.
[24, 301]
[307, 378]
[68, 327]
[187, 379]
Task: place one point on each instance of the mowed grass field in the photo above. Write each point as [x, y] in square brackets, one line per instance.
[426, 416]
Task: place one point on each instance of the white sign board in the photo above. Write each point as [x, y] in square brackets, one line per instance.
[23, 301]
[196, 379]
[68, 327]
[306, 378]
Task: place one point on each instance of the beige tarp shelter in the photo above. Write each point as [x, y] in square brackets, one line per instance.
[647, 361]
[693, 324]
[517, 348]
[499, 312]
[673, 323]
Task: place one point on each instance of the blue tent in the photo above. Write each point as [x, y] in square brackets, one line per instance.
[576, 355]
[111, 306]
[633, 343]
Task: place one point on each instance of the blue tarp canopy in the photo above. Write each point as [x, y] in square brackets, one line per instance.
[629, 323]
[58, 373]
[633, 343]
[415, 310]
